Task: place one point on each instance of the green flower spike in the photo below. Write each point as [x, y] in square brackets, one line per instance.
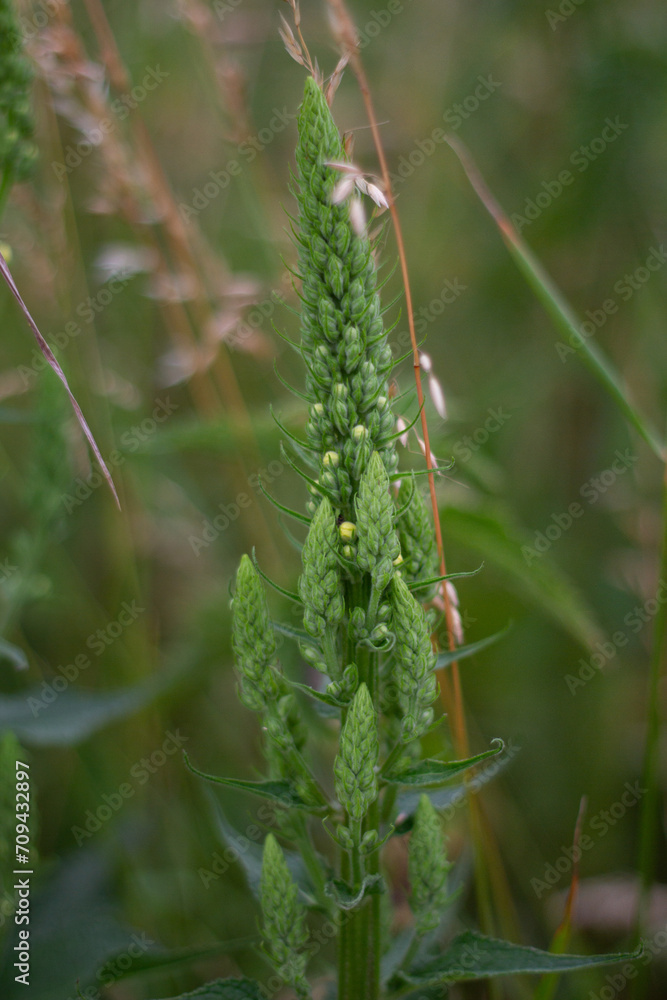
[285, 931]
[377, 541]
[343, 340]
[415, 661]
[17, 152]
[417, 537]
[320, 584]
[354, 767]
[253, 640]
[428, 868]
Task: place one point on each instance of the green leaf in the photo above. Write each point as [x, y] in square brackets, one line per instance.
[422, 584]
[278, 791]
[291, 632]
[74, 929]
[436, 772]
[348, 898]
[474, 956]
[267, 579]
[156, 961]
[225, 989]
[454, 655]
[41, 716]
[450, 796]
[488, 531]
[320, 696]
[248, 851]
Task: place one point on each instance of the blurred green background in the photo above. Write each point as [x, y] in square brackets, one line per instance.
[155, 224]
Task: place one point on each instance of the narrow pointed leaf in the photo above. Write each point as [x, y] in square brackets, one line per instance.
[454, 655]
[225, 989]
[474, 956]
[285, 510]
[556, 305]
[277, 791]
[436, 772]
[423, 584]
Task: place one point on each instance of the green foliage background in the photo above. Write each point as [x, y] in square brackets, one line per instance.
[551, 86]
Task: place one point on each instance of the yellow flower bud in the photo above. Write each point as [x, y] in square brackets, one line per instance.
[398, 560]
[358, 432]
[330, 458]
[347, 530]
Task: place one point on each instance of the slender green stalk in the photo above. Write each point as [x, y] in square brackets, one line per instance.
[557, 306]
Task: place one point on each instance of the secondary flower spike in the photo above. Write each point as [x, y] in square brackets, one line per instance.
[428, 868]
[253, 640]
[354, 768]
[415, 661]
[417, 537]
[378, 544]
[285, 931]
[320, 585]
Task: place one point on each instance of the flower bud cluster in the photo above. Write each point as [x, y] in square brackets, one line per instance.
[417, 538]
[354, 767]
[428, 868]
[320, 584]
[378, 546]
[343, 340]
[415, 661]
[285, 933]
[262, 687]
